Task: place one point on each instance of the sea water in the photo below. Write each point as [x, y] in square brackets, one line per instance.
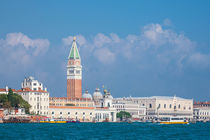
[105, 131]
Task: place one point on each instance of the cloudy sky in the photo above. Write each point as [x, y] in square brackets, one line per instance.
[133, 48]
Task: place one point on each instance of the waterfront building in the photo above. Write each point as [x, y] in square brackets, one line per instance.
[104, 110]
[201, 104]
[77, 106]
[32, 91]
[201, 111]
[74, 73]
[83, 109]
[85, 114]
[136, 110]
[65, 101]
[105, 114]
[38, 99]
[163, 106]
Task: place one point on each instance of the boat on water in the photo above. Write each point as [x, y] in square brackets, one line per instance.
[173, 120]
[53, 121]
[72, 121]
[16, 120]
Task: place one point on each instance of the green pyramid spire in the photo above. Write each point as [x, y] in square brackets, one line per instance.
[74, 53]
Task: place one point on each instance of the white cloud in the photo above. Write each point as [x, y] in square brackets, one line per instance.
[101, 39]
[200, 59]
[105, 55]
[154, 44]
[39, 45]
[18, 50]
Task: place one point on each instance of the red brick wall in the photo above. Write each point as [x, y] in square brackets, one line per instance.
[74, 88]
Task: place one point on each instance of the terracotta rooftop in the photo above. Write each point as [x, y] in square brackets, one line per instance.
[201, 103]
[30, 90]
[71, 107]
[4, 90]
[67, 98]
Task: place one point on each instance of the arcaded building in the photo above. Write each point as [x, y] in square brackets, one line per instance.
[162, 106]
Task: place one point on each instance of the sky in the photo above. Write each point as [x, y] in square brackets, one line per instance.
[133, 48]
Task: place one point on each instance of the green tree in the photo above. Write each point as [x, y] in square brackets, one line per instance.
[4, 101]
[14, 100]
[123, 114]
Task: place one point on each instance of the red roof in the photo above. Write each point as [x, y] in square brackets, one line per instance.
[71, 107]
[68, 98]
[30, 90]
[3, 89]
[201, 103]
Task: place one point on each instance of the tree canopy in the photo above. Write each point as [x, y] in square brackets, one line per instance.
[13, 100]
[123, 114]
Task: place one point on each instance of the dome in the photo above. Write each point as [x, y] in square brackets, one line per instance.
[87, 95]
[107, 94]
[97, 94]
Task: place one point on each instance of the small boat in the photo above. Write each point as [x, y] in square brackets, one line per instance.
[72, 121]
[173, 120]
[53, 121]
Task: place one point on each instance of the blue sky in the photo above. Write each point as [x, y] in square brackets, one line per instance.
[134, 48]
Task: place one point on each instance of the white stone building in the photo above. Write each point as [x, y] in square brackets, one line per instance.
[136, 110]
[163, 106]
[30, 82]
[202, 113]
[32, 91]
[84, 114]
[104, 109]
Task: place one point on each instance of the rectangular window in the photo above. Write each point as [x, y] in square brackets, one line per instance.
[150, 105]
[37, 106]
[34, 88]
[34, 84]
[77, 71]
[71, 71]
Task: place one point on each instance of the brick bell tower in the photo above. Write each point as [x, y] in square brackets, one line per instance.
[74, 73]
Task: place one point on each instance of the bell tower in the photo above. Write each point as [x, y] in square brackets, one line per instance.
[74, 73]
